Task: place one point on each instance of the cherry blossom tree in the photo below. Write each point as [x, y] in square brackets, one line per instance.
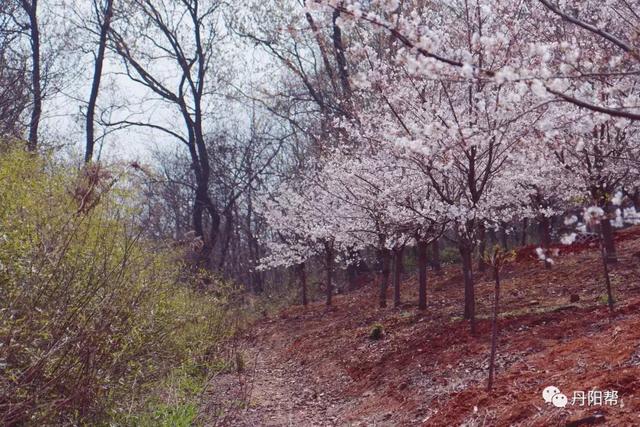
[473, 115]
[599, 153]
[463, 134]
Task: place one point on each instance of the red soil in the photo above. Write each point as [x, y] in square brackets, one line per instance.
[428, 369]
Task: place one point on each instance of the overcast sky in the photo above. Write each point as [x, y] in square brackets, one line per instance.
[63, 120]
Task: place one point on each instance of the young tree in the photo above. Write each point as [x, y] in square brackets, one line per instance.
[31, 12]
[14, 77]
[600, 157]
[103, 12]
[301, 226]
[37, 48]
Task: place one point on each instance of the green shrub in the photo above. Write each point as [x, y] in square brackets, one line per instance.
[92, 316]
[171, 416]
[450, 256]
[173, 401]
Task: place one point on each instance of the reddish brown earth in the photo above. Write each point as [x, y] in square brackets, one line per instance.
[317, 366]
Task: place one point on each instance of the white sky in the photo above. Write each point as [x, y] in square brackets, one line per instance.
[64, 123]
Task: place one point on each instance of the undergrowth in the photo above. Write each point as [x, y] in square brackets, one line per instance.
[98, 324]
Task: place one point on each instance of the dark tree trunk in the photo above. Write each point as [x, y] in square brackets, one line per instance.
[493, 237]
[544, 229]
[303, 282]
[323, 50]
[504, 237]
[203, 205]
[352, 270]
[198, 212]
[523, 236]
[228, 233]
[352, 275]
[605, 267]
[435, 256]
[253, 246]
[469, 291]
[31, 9]
[385, 264]
[608, 239]
[636, 199]
[398, 257]
[341, 59]
[422, 274]
[482, 265]
[329, 265]
[97, 76]
[494, 327]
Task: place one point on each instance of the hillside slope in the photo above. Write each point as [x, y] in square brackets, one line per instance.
[317, 366]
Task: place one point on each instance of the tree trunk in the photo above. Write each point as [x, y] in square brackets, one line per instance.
[329, 264]
[544, 228]
[605, 267]
[636, 199]
[32, 13]
[608, 240]
[493, 237]
[202, 205]
[341, 59]
[226, 240]
[469, 291]
[303, 283]
[494, 327]
[422, 274]
[435, 256]
[504, 237]
[352, 270]
[385, 264]
[97, 76]
[198, 218]
[482, 265]
[397, 274]
[523, 236]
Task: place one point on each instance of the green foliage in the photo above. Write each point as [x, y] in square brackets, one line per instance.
[450, 256]
[173, 401]
[377, 332]
[92, 315]
[410, 261]
[172, 416]
[497, 256]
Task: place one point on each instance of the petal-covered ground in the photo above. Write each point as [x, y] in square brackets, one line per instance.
[317, 366]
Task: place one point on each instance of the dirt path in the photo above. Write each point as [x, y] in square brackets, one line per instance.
[273, 390]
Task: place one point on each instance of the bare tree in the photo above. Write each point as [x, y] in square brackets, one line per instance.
[14, 79]
[30, 8]
[104, 12]
[181, 36]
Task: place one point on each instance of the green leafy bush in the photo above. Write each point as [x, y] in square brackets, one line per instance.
[92, 315]
[450, 256]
